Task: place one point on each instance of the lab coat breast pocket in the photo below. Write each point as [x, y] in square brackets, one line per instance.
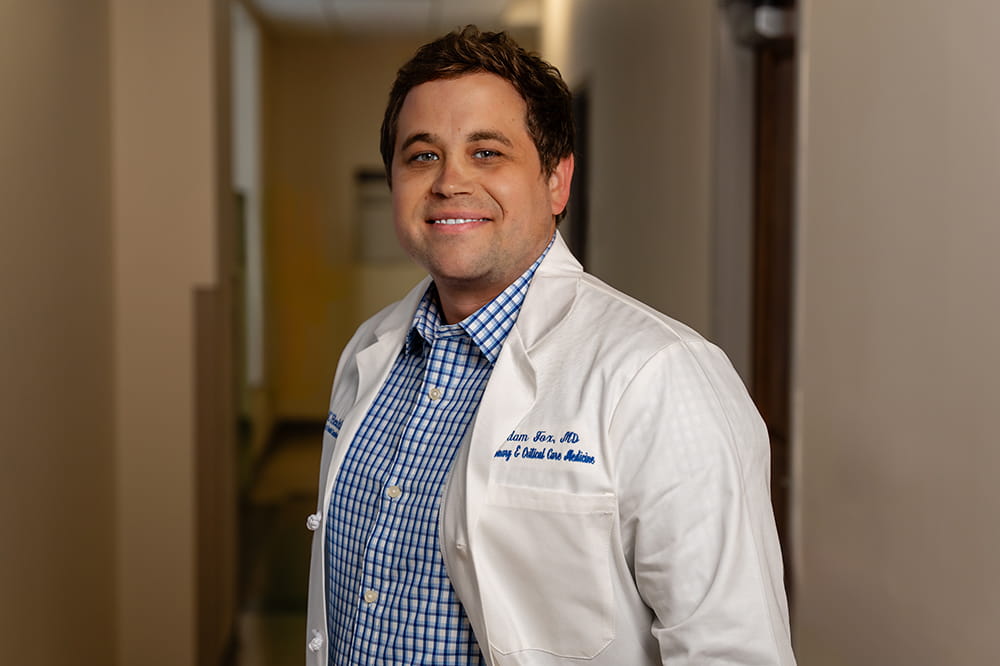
[545, 570]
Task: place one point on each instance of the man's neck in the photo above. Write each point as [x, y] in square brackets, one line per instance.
[460, 298]
[457, 304]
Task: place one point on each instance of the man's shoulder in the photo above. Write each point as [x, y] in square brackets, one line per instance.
[611, 338]
[574, 308]
[580, 319]
[606, 310]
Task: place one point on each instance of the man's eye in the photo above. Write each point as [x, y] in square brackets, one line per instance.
[485, 153]
[424, 157]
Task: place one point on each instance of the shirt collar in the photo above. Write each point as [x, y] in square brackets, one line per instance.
[488, 326]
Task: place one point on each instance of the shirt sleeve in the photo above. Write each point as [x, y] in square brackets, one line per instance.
[698, 530]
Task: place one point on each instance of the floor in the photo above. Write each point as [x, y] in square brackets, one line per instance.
[274, 549]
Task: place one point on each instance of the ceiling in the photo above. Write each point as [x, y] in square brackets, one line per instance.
[366, 16]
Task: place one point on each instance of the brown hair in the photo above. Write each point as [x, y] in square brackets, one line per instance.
[549, 113]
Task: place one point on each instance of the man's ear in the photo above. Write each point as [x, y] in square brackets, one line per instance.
[559, 183]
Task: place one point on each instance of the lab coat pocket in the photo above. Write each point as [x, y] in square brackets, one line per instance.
[544, 566]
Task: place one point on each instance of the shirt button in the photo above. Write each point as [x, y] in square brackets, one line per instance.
[394, 491]
[435, 394]
[317, 641]
[371, 596]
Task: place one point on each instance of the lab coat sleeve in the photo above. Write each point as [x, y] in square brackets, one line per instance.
[692, 472]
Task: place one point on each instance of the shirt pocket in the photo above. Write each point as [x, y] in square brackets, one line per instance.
[543, 560]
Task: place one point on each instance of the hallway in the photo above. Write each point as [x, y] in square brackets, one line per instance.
[117, 263]
[274, 548]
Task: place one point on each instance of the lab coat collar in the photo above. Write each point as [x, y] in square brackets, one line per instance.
[397, 322]
[549, 298]
[551, 294]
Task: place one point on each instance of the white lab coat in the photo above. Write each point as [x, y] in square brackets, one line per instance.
[609, 505]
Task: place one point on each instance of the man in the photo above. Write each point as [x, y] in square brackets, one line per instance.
[522, 465]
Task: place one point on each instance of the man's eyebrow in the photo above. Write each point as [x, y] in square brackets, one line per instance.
[491, 135]
[425, 137]
[479, 135]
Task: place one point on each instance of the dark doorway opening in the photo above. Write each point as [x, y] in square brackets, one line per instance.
[771, 340]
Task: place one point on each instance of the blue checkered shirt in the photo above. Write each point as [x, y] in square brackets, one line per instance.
[389, 599]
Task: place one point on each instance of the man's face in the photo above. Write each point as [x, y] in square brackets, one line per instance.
[471, 202]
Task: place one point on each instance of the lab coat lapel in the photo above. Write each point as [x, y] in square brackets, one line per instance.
[508, 396]
[512, 389]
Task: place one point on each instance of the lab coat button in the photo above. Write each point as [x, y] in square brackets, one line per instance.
[312, 522]
[435, 394]
[394, 491]
[317, 641]
[371, 596]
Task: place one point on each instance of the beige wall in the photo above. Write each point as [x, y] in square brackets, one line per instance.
[898, 370]
[166, 197]
[324, 103]
[57, 582]
[109, 183]
[649, 66]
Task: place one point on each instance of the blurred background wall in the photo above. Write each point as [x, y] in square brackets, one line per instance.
[897, 368]
[324, 109]
[111, 212]
[127, 259]
[58, 506]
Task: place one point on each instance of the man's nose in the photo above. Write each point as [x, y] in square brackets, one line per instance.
[453, 178]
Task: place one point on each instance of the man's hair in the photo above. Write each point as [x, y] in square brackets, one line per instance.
[467, 51]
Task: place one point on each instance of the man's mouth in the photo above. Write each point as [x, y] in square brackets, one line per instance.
[458, 220]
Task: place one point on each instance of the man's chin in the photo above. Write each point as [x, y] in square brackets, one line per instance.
[459, 276]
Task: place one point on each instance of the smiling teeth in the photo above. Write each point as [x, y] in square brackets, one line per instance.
[460, 220]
